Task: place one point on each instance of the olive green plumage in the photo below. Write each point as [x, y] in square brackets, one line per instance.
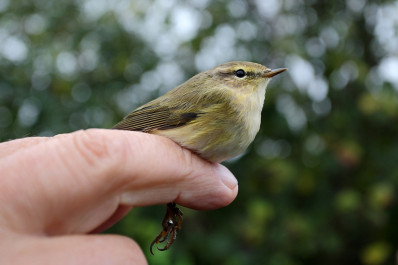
[216, 113]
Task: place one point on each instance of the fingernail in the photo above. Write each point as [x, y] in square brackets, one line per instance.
[227, 177]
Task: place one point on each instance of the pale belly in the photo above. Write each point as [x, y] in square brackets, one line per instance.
[222, 135]
[227, 140]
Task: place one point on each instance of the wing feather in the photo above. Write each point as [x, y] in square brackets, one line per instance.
[154, 117]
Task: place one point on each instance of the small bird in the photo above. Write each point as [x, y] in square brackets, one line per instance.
[215, 114]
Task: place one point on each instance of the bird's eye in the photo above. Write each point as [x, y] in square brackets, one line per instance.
[240, 73]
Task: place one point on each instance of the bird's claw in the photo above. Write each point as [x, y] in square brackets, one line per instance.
[171, 224]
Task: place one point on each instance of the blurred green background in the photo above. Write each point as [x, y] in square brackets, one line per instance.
[318, 185]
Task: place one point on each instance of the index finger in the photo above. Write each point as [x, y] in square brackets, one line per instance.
[74, 182]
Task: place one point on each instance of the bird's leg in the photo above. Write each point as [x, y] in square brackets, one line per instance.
[171, 223]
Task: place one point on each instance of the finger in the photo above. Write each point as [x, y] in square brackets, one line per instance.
[172, 173]
[204, 186]
[120, 212]
[8, 148]
[75, 182]
[93, 249]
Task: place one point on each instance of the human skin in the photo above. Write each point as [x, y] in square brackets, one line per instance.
[57, 192]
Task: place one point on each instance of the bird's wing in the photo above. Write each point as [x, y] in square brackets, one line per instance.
[148, 118]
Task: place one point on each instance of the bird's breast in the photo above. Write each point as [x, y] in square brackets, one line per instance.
[221, 131]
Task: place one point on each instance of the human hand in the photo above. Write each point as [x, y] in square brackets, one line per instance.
[55, 191]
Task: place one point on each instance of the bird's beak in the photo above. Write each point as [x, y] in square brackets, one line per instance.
[272, 73]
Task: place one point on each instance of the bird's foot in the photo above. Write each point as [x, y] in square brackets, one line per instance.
[171, 224]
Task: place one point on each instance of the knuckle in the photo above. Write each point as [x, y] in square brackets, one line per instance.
[91, 146]
[187, 163]
[97, 149]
